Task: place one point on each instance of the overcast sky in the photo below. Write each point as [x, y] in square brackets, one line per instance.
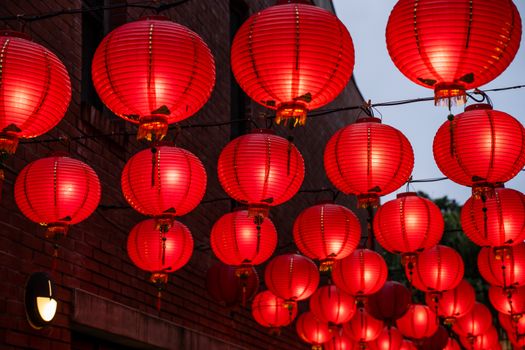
[379, 80]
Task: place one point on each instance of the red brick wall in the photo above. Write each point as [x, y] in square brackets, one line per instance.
[93, 256]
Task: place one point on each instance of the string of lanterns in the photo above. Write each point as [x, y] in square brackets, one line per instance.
[294, 58]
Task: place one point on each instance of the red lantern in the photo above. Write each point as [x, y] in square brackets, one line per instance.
[475, 323]
[390, 302]
[261, 170]
[362, 273]
[153, 72]
[164, 182]
[363, 327]
[36, 90]
[368, 159]
[504, 267]
[389, 339]
[495, 221]
[483, 341]
[237, 240]
[480, 148]
[517, 340]
[452, 344]
[512, 324]
[292, 58]
[437, 341]
[312, 331]
[436, 270]
[161, 253]
[327, 232]
[292, 277]
[341, 342]
[407, 345]
[270, 311]
[508, 301]
[331, 305]
[225, 287]
[419, 322]
[408, 224]
[56, 192]
[453, 303]
[473, 43]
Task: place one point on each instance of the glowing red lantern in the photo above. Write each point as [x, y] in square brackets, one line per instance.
[503, 267]
[473, 44]
[292, 277]
[56, 192]
[270, 311]
[341, 342]
[261, 170]
[484, 341]
[407, 345]
[512, 323]
[331, 305]
[389, 339]
[475, 323]
[327, 232]
[36, 90]
[408, 224]
[480, 148]
[418, 322]
[368, 159]
[495, 221]
[161, 253]
[153, 72]
[435, 342]
[508, 301]
[237, 240]
[453, 303]
[315, 59]
[312, 330]
[225, 287]
[363, 327]
[452, 344]
[164, 182]
[436, 270]
[390, 302]
[362, 273]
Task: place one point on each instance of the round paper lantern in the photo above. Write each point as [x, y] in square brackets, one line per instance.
[389, 339]
[292, 277]
[475, 323]
[153, 72]
[161, 253]
[452, 344]
[473, 43]
[312, 331]
[504, 267]
[331, 305]
[327, 232]
[390, 302]
[363, 327]
[362, 273]
[292, 58]
[261, 170]
[495, 221]
[341, 342]
[237, 240]
[408, 224]
[418, 322]
[453, 303]
[407, 345]
[437, 341]
[480, 148]
[56, 192]
[483, 341]
[36, 90]
[436, 270]
[508, 301]
[512, 323]
[225, 287]
[163, 182]
[368, 159]
[270, 311]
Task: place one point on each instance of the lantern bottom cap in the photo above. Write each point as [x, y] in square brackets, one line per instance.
[293, 112]
[449, 95]
[244, 271]
[258, 211]
[8, 143]
[367, 200]
[159, 278]
[56, 230]
[326, 264]
[153, 128]
[483, 189]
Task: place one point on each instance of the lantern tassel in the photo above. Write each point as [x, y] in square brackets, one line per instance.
[54, 262]
[159, 300]
[2, 179]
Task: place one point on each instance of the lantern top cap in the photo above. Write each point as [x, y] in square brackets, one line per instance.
[368, 120]
[478, 106]
[15, 34]
[153, 18]
[407, 194]
[262, 131]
